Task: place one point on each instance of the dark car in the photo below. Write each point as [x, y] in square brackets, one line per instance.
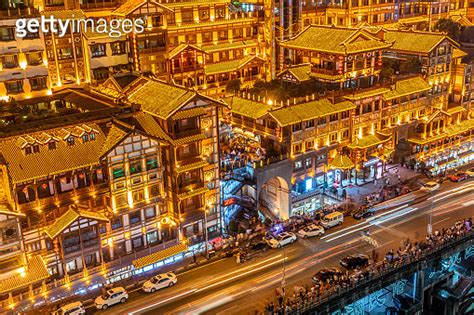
[363, 214]
[354, 261]
[258, 246]
[457, 177]
[325, 274]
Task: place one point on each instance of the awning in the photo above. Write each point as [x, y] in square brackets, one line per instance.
[342, 162]
[181, 141]
[192, 193]
[34, 272]
[187, 113]
[366, 142]
[158, 256]
[64, 221]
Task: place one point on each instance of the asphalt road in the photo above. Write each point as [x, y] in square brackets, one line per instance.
[223, 287]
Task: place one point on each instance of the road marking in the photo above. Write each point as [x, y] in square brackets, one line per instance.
[137, 311]
[442, 220]
[469, 203]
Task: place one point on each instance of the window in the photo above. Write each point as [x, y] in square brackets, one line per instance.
[92, 136]
[298, 165]
[118, 171]
[118, 48]
[116, 223]
[237, 33]
[204, 14]
[322, 121]
[28, 150]
[85, 137]
[52, 145]
[334, 137]
[345, 114]
[296, 127]
[98, 50]
[150, 213]
[137, 242]
[157, 20]
[135, 166]
[65, 53]
[308, 162]
[309, 123]
[7, 33]
[207, 37]
[297, 148]
[151, 163]
[333, 117]
[345, 134]
[38, 83]
[134, 217]
[222, 35]
[220, 13]
[70, 140]
[152, 237]
[14, 87]
[187, 16]
[36, 148]
[10, 61]
[34, 58]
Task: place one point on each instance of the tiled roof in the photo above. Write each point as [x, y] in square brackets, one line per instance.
[35, 271]
[187, 113]
[65, 220]
[131, 5]
[228, 66]
[191, 166]
[227, 46]
[458, 53]
[327, 77]
[192, 193]
[300, 72]
[366, 142]
[183, 47]
[414, 19]
[159, 256]
[246, 107]
[159, 98]
[114, 136]
[414, 41]
[309, 110]
[365, 94]
[189, 139]
[341, 162]
[406, 87]
[188, 3]
[65, 14]
[63, 158]
[187, 26]
[337, 40]
[151, 127]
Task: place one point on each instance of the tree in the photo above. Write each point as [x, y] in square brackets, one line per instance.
[233, 86]
[452, 28]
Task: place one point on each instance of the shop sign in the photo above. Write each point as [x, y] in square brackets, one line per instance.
[371, 162]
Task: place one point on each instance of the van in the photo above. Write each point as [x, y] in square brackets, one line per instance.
[74, 308]
[332, 219]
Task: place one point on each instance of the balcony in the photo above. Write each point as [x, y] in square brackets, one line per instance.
[18, 12]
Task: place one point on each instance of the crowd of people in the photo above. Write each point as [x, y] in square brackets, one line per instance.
[240, 149]
[305, 296]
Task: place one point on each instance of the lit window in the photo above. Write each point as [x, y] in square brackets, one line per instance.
[70, 140]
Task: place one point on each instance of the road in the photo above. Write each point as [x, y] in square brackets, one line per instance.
[223, 287]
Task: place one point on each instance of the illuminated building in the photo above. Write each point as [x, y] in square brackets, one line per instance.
[80, 198]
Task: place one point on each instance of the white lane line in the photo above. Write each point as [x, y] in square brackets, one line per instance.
[393, 216]
[469, 203]
[138, 311]
[442, 220]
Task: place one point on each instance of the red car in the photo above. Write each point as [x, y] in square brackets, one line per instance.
[459, 176]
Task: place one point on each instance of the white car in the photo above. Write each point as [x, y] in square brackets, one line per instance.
[430, 186]
[75, 308]
[111, 297]
[160, 281]
[281, 239]
[470, 172]
[310, 231]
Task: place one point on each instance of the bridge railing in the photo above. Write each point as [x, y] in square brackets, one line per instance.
[378, 272]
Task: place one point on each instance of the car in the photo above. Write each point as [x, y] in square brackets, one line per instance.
[354, 261]
[332, 219]
[325, 274]
[430, 186]
[75, 308]
[164, 280]
[311, 230]
[470, 172]
[281, 239]
[457, 177]
[362, 214]
[111, 297]
[258, 246]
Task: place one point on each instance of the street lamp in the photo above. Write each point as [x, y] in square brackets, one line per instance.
[206, 234]
[430, 226]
